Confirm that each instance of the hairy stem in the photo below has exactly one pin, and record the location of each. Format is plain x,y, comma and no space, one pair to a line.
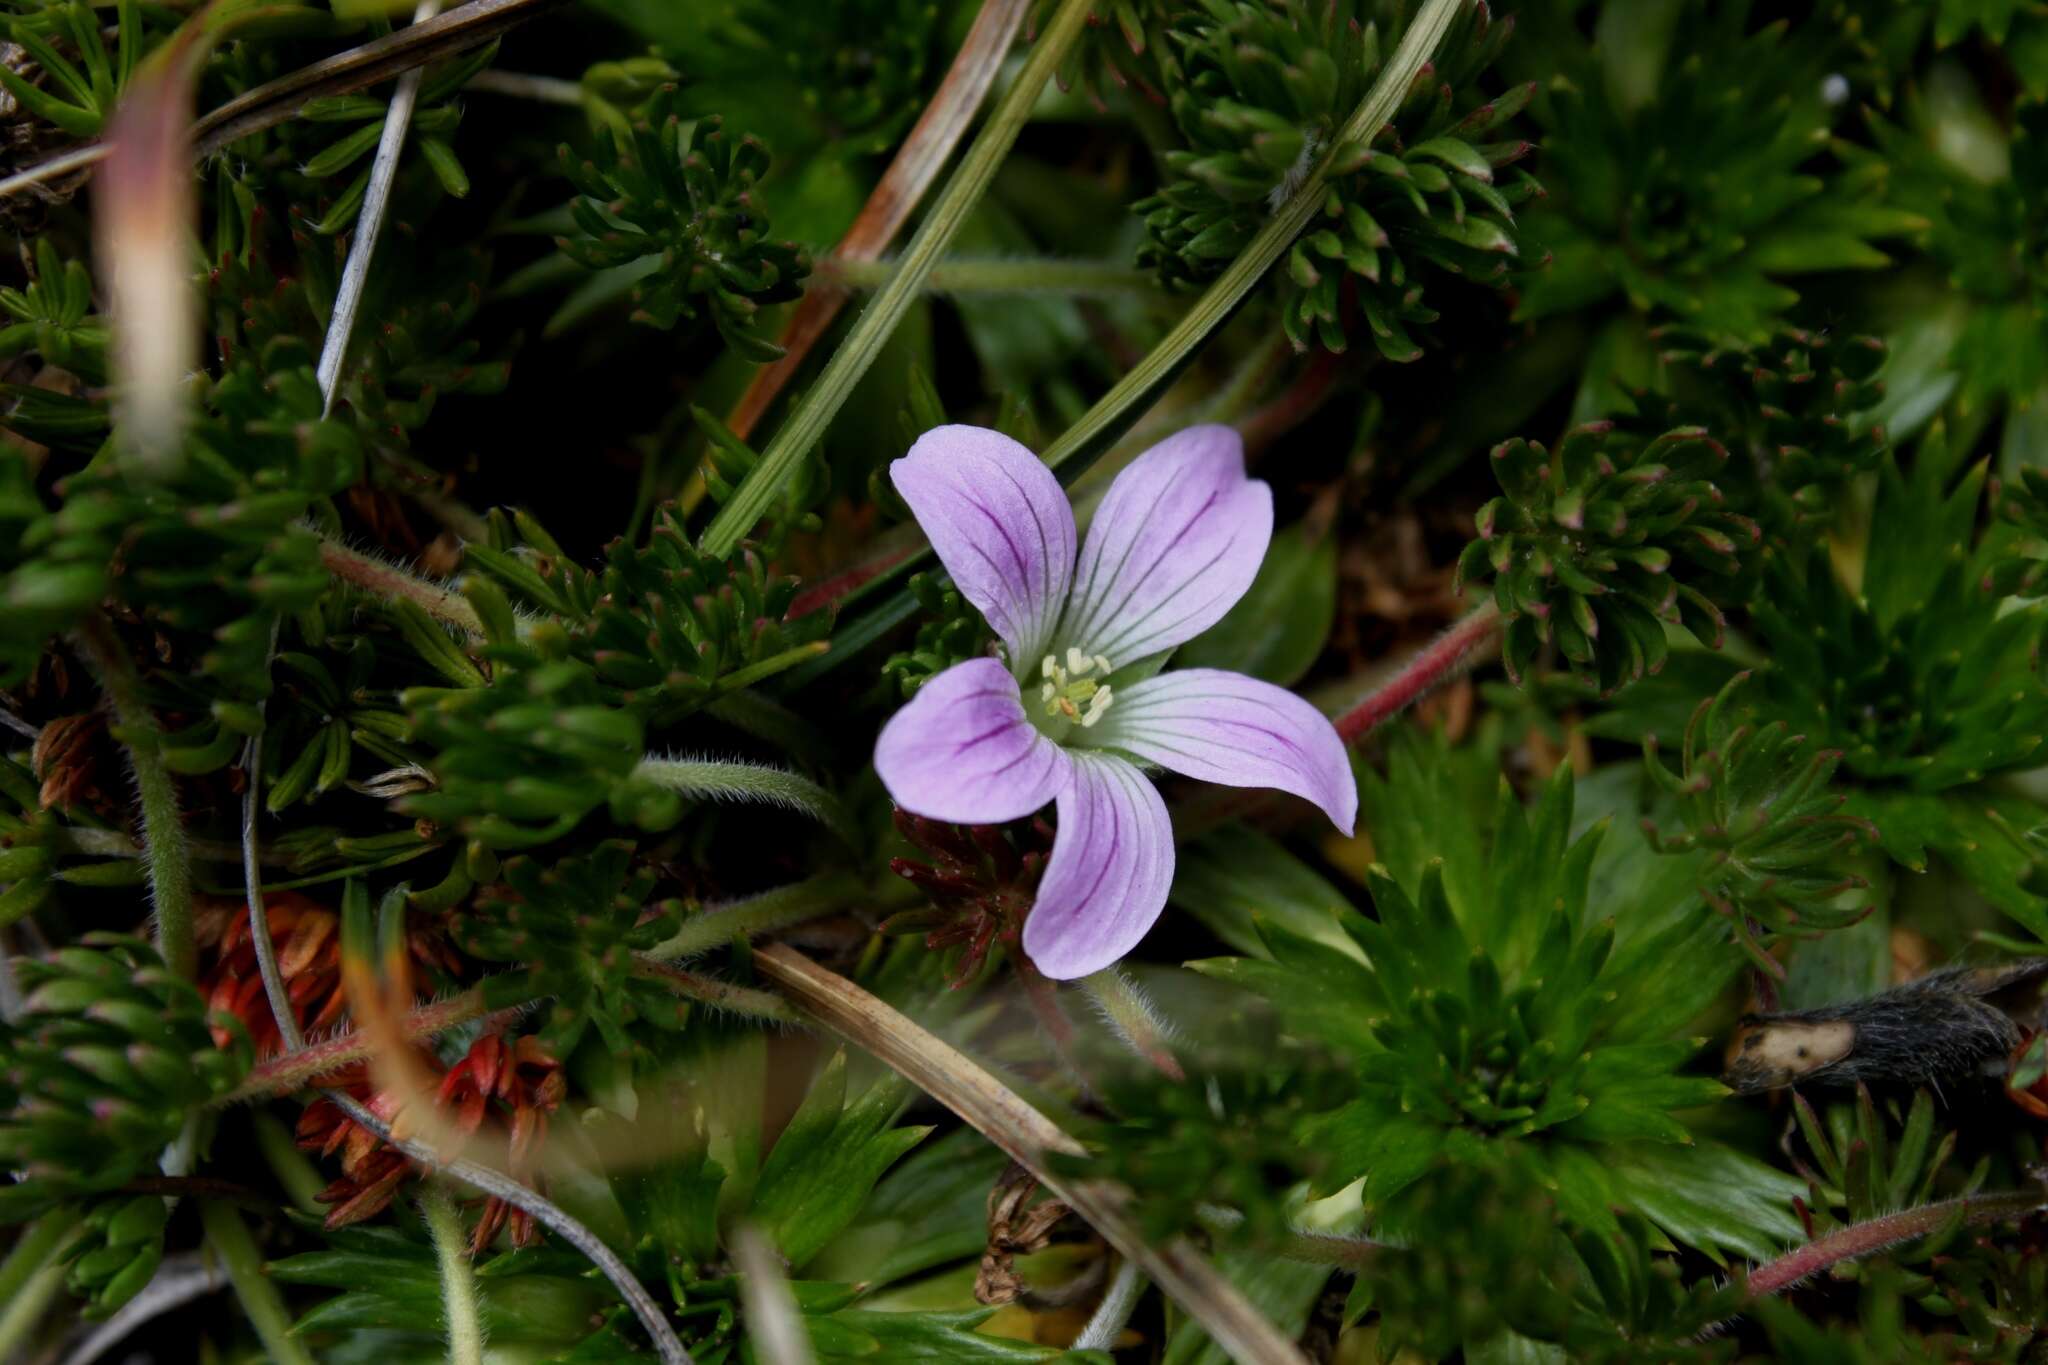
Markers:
543,1211
1111,1315
708,779
166,853
1881,1234
382,578
850,360
720,995
458,1285
1439,661
762,914
295,1071
230,1239
1009,275
1007,1120
1133,1017
911,172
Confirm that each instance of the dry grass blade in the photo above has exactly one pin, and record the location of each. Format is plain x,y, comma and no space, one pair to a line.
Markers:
280,101
355,275
1028,1137
916,165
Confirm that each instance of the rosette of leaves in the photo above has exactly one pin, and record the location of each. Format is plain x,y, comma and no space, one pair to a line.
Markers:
665,628
1260,89
833,1195
676,201
1757,803
1926,678
109,1057
1689,155
1596,546
1491,1021
1797,405
1986,226
573,926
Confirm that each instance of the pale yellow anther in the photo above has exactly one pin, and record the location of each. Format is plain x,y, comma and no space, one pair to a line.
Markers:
1068,686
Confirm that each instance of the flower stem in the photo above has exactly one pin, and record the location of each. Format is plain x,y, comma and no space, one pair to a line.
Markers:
31,1252
166,853
230,1238
382,578
806,424
762,914
911,171
458,1285
1010,275
1442,659
1881,1234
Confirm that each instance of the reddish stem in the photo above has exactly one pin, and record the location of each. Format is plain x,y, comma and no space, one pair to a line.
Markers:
1879,1234
848,581
1442,659
916,165
296,1070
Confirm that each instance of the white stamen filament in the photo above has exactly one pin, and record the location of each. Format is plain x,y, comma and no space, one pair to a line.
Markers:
1069,686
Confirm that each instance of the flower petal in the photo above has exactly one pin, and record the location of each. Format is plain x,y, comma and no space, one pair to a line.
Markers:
1176,542
964,750
1001,525
1111,865
1224,727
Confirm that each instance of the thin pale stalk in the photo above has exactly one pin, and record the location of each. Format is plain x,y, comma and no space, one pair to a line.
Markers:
525,86
293,1072
502,1186
32,1251
925,150
20,1314
281,1011
805,426
1012,1124
385,579
1114,1312
1881,1234
458,1284
355,273
167,855
1438,662
230,1239
1005,275
763,914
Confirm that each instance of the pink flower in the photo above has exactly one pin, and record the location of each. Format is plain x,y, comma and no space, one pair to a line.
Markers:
1080,709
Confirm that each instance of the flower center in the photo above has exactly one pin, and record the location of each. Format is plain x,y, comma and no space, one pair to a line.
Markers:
1075,690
